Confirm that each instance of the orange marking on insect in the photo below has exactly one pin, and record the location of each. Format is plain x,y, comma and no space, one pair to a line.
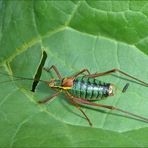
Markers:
68,82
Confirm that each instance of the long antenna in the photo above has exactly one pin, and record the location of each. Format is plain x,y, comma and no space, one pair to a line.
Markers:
20,78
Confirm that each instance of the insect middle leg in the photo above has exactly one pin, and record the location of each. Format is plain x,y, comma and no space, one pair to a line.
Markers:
55,69
117,70
82,71
78,107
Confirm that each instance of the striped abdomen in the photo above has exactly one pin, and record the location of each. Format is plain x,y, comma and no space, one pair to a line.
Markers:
90,88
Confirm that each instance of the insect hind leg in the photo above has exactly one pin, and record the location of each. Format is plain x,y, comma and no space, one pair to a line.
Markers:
83,101
119,71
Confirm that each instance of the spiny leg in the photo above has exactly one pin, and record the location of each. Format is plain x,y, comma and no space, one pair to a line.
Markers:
49,98
80,100
55,69
82,71
117,70
78,107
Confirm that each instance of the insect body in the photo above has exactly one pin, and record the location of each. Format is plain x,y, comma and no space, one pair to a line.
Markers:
84,89
90,88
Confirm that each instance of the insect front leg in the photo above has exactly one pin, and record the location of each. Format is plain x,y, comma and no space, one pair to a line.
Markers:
55,69
49,98
117,70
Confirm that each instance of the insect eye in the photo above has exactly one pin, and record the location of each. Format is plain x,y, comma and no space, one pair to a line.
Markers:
51,83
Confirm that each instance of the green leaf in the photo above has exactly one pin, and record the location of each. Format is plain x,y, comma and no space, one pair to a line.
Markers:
98,35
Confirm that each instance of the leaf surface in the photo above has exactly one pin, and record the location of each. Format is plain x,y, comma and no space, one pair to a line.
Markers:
97,35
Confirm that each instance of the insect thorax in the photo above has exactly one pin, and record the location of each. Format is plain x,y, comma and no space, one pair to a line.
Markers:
58,84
